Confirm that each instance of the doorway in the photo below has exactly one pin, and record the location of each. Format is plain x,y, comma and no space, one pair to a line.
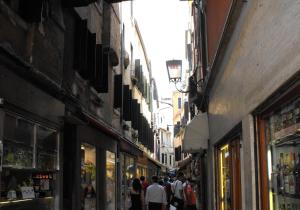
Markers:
228,175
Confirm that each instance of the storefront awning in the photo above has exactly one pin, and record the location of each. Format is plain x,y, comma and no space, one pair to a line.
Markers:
196,134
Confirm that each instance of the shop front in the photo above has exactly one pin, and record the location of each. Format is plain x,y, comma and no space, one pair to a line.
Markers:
228,175
195,142
279,150
90,175
128,171
30,145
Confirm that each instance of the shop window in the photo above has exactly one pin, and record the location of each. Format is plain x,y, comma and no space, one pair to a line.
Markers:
88,177
46,147
282,139
110,181
30,165
18,142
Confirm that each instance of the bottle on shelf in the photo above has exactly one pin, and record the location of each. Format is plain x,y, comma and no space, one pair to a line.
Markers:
280,177
292,181
296,172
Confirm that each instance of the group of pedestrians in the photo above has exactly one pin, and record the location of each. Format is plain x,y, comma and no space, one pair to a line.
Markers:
163,194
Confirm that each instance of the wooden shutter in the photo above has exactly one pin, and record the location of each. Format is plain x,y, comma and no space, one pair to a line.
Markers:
137,68
140,126
134,113
186,111
118,91
91,57
101,71
31,10
127,97
81,47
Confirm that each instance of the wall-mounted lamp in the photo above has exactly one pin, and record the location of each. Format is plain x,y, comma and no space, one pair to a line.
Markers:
174,68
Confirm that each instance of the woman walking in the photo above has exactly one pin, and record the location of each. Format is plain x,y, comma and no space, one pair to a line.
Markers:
136,195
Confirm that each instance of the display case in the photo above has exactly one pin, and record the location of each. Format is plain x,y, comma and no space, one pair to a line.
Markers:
29,176
283,137
110,181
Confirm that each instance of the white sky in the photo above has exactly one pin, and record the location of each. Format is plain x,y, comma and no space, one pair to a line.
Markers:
162,24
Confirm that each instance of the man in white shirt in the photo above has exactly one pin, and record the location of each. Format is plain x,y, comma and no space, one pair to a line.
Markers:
177,189
156,198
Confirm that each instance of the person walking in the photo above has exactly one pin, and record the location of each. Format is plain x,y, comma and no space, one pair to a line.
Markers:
168,190
144,184
177,189
136,195
156,196
189,195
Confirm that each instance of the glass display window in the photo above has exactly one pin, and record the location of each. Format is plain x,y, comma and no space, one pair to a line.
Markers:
25,181
88,177
46,148
18,142
128,171
283,156
110,180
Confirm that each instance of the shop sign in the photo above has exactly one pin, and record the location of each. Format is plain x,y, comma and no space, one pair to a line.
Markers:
27,192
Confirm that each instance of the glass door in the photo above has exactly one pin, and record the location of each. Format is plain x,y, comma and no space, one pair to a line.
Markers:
228,176
88,177
224,181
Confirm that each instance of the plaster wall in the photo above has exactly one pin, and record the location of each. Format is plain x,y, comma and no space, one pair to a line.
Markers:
262,54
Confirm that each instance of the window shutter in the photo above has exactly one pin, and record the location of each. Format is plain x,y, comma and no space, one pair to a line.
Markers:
127,97
186,111
101,71
91,57
137,68
151,140
130,105
31,11
140,126
81,47
118,91
134,114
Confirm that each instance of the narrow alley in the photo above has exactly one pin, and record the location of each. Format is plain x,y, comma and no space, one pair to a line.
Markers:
149,105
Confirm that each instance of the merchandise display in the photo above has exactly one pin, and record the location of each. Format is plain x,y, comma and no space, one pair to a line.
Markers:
283,135
28,177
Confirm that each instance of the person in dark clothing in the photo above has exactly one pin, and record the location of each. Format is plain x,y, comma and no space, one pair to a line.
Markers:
144,184
136,195
168,190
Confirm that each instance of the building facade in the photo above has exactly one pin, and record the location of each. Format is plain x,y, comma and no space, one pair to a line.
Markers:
70,133
248,86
